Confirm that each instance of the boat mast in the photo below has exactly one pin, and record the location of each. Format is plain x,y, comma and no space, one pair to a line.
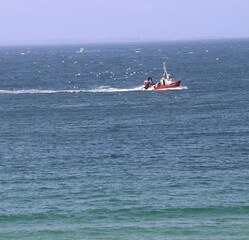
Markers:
165,73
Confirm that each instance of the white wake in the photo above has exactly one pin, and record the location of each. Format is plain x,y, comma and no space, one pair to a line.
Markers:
102,89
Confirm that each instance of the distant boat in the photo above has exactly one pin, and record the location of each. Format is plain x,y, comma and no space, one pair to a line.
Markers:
165,82
82,50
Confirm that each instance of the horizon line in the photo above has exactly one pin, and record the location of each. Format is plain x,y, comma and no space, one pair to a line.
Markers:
110,41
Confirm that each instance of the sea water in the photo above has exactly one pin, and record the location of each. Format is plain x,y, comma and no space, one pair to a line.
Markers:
86,154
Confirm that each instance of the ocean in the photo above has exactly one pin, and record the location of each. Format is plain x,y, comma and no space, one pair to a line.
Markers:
86,154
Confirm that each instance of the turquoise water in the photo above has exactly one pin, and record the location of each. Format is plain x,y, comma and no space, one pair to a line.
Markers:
84,154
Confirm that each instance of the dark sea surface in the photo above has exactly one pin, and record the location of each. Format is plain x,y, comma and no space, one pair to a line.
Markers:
85,154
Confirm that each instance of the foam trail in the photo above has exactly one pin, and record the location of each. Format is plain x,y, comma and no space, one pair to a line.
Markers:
50,91
28,91
102,89
110,89
178,88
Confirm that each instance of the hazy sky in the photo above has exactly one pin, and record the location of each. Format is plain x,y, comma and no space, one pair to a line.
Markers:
36,20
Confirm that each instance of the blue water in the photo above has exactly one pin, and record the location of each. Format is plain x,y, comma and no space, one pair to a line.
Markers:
85,154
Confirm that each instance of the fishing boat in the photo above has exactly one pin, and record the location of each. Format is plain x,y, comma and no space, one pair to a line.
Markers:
165,83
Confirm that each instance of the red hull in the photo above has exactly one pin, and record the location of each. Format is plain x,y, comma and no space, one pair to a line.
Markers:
172,85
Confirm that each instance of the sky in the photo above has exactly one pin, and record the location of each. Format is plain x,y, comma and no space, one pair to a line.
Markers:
105,20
